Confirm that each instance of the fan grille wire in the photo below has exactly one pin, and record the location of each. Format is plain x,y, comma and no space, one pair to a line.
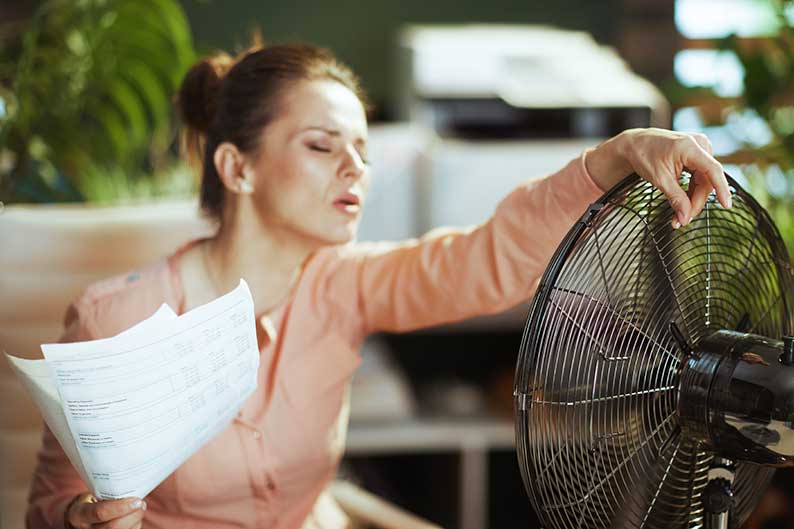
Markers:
598,439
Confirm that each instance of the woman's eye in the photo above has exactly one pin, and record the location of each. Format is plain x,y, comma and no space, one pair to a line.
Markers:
319,148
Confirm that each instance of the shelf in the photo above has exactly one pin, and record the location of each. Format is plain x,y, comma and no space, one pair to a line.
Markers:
429,435
471,438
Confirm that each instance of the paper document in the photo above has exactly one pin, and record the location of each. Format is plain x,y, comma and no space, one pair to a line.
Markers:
128,410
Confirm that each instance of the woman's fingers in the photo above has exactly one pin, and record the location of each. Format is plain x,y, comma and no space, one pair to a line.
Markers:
704,142
132,520
104,512
693,152
698,192
698,160
677,197
700,187
699,184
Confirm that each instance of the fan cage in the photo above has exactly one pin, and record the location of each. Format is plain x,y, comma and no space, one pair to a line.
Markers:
596,388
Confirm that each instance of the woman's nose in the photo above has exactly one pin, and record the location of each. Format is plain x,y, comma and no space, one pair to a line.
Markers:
354,165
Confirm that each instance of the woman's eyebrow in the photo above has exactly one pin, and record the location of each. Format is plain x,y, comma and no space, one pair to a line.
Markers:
332,132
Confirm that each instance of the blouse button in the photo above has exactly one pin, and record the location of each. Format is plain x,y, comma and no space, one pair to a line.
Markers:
257,434
268,328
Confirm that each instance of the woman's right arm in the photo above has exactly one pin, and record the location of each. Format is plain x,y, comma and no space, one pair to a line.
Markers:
458,273
58,498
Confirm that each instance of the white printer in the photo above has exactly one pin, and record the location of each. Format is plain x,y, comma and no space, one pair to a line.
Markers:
510,81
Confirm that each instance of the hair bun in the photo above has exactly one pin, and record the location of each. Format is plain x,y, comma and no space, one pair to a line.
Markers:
198,95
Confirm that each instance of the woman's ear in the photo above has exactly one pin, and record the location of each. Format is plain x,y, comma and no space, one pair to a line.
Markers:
230,164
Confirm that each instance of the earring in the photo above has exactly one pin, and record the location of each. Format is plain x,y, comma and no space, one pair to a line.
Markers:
246,187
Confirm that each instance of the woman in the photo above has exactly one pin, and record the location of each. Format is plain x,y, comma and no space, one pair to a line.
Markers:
281,135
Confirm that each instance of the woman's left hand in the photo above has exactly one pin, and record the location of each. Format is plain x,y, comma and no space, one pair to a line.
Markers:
660,156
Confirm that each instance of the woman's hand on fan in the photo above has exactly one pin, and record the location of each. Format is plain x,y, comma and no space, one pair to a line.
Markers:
660,156
85,512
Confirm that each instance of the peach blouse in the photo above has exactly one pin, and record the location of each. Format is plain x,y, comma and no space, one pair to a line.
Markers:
270,467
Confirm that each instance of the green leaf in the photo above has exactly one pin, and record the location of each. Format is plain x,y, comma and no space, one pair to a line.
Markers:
151,90
124,96
109,131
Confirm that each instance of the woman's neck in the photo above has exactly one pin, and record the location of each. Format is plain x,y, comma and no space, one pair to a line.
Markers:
269,261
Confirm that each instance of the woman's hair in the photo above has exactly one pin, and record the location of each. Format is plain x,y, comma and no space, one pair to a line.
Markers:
233,99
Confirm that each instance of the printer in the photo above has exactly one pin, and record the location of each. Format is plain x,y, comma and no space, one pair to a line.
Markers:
518,81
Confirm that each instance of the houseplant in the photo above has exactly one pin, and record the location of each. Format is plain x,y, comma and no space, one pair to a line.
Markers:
760,120
85,101
769,94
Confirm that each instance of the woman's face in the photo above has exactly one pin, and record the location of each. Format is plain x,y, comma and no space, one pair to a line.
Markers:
310,172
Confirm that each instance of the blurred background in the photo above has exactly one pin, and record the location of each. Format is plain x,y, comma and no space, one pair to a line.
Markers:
470,98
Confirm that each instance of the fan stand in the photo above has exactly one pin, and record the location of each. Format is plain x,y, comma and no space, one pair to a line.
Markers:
717,497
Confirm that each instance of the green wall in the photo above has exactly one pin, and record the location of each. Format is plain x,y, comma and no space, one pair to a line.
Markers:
362,33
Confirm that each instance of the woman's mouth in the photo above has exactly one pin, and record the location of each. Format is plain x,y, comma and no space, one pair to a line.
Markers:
348,203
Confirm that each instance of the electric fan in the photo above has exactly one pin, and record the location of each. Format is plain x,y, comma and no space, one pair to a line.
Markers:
655,382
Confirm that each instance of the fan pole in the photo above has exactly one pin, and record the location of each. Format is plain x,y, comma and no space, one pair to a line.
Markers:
717,497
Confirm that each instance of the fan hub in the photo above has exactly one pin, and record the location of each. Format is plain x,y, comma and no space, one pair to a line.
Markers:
737,397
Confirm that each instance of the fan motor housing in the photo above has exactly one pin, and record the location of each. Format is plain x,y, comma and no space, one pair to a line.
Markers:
737,396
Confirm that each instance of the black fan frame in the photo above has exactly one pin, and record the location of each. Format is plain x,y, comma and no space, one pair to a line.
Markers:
540,302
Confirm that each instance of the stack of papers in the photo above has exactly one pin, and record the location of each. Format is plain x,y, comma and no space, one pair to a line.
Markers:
128,410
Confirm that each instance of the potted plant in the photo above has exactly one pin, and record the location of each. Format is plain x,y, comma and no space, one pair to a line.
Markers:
85,103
